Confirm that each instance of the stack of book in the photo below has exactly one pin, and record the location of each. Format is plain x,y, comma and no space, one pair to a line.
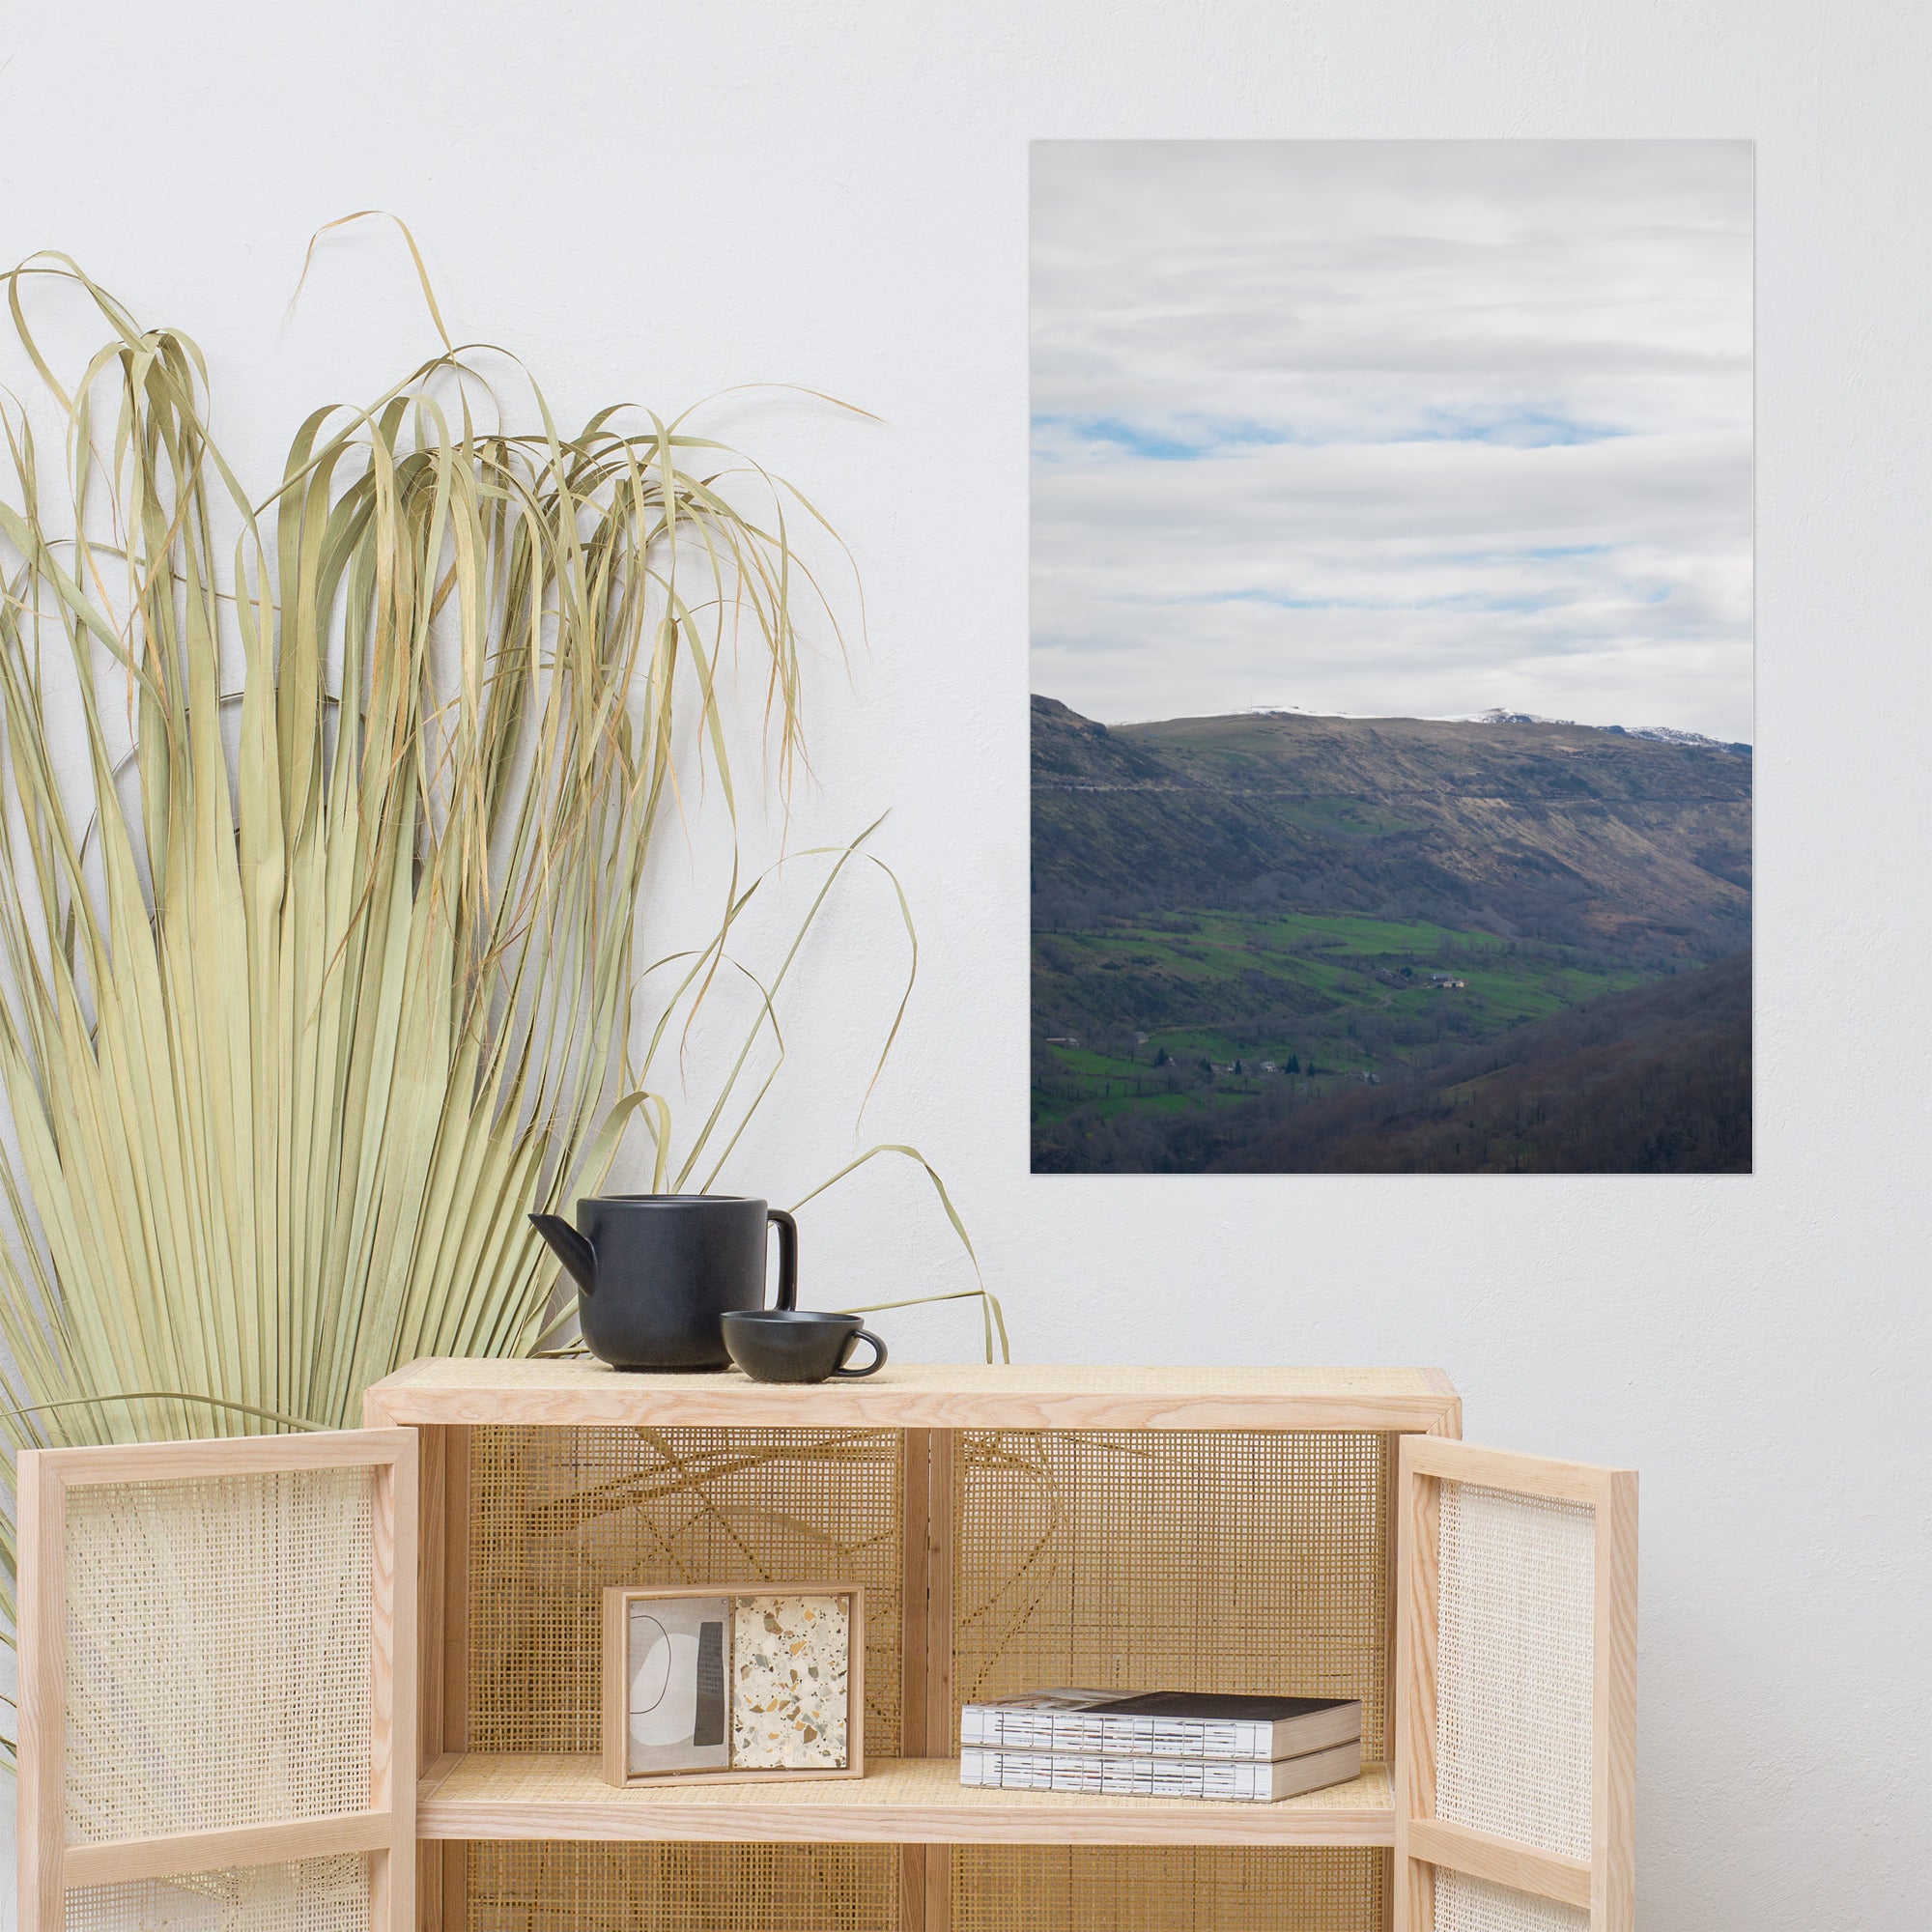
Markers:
1163,1744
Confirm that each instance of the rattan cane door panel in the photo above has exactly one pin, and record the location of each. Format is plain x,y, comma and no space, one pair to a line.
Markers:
1516,1693
1465,1904
1513,1665
1209,1560
310,1895
536,1886
559,1513
217,1697
217,1652
1119,1889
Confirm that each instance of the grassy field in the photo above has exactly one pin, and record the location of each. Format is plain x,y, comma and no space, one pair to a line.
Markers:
1200,1010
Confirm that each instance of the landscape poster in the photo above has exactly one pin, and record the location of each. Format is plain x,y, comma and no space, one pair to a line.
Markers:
1392,656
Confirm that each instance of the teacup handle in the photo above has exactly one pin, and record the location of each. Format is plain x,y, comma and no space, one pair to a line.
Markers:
872,1367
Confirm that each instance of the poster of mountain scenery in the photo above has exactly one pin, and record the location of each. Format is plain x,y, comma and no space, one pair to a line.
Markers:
1392,656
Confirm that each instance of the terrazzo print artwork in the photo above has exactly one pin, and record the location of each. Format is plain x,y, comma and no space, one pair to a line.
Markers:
790,1658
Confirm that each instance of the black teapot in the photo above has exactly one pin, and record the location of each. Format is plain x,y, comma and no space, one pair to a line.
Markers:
655,1273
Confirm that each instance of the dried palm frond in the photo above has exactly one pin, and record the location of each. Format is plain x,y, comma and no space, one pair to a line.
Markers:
319,970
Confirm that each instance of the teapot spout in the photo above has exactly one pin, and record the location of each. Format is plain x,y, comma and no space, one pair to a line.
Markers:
570,1248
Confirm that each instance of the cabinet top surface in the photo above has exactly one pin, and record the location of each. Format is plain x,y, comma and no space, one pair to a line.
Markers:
921,1395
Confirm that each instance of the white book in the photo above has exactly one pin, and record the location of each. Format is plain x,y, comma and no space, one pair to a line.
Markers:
1230,1781
1162,1723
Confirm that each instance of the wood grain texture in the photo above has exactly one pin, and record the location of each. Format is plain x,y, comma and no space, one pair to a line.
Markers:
41,1641
232,1455
938,1888
179,1852
855,1681
442,1867
1505,1470
911,1889
898,1801
392,1624
1412,1905
1501,1861
456,1513
916,1477
395,1649
613,1715
941,1516
442,1873
925,1716
443,1628
1613,1763
453,1875
393,1709
1417,1513
443,1646
919,1396
432,1582
1392,1579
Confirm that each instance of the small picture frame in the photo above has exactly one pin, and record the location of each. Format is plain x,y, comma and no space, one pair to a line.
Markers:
752,1684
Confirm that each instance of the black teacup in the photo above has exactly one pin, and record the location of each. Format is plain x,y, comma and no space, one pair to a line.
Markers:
791,1344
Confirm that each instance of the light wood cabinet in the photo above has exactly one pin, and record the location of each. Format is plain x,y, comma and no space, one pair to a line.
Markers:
1316,1530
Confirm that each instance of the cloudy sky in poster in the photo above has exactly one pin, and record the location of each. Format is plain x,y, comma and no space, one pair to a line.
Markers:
1394,429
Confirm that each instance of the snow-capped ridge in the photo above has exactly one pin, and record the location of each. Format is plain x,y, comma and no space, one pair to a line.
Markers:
1498,713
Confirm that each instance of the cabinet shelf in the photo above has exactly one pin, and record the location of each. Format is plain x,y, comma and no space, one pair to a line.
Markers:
583,1393
898,1801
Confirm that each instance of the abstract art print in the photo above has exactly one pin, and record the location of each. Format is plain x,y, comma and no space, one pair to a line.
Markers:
677,1697
1392,656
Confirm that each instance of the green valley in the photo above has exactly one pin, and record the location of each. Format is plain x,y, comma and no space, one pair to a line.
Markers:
1245,928
1185,1011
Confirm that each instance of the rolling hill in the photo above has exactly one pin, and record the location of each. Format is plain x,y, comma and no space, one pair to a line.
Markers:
1587,837
1290,943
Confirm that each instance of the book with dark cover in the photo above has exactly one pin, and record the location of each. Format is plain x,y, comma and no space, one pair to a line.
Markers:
1162,1723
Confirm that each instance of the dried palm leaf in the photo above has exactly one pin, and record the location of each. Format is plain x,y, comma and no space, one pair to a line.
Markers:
320,973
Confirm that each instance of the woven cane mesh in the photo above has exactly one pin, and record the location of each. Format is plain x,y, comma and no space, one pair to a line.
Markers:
558,1514
1245,1561
538,1887
1465,1904
1513,1668
1118,1889
313,1895
217,1652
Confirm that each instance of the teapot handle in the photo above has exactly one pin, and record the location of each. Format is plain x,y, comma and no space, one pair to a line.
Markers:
787,1257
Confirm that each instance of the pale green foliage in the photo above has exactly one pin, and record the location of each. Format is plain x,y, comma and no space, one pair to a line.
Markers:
299,1023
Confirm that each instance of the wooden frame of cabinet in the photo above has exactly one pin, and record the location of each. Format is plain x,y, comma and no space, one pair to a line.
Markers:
915,1801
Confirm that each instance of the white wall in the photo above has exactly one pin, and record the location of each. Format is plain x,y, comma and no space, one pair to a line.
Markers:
657,202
